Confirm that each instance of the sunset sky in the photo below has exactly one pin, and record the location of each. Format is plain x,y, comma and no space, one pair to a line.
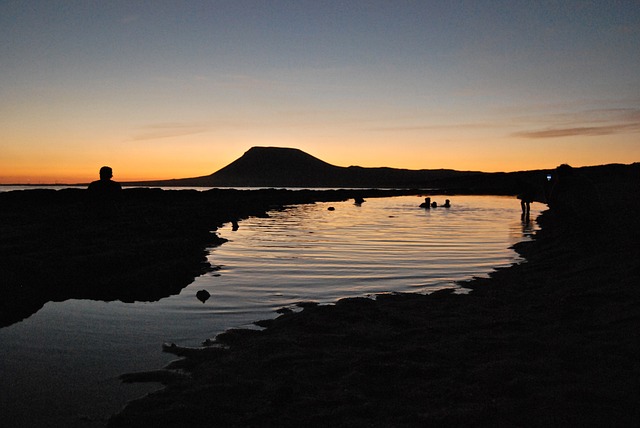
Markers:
170,89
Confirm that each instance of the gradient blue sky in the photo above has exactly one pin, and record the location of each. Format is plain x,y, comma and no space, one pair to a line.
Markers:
168,89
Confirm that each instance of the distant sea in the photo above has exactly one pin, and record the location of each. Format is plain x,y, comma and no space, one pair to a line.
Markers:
60,367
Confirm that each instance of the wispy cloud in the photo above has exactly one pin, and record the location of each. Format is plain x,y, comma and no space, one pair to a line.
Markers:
453,126
590,123
580,130
168,130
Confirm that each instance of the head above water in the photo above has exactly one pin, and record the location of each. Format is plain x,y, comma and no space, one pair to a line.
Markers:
106,173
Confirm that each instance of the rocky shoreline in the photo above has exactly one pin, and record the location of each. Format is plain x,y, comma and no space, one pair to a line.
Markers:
552,341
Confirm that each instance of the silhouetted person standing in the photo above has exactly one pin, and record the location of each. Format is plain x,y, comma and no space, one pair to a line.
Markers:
527,195
105,194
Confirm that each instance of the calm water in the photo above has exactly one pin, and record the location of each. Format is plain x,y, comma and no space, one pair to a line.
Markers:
60,366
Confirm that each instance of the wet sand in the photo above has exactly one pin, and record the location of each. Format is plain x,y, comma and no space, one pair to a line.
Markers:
552,341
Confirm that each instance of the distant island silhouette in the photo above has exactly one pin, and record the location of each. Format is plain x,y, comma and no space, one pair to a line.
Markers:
290,167
280,167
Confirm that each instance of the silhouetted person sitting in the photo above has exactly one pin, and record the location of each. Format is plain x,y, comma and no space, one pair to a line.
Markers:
434,204
104,194
105,186
426,204
447,203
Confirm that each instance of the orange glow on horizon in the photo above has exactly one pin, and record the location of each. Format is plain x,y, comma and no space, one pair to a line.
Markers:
158,101
78,159
163,166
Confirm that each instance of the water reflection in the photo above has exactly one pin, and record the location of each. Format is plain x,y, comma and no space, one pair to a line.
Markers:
59,357
308,253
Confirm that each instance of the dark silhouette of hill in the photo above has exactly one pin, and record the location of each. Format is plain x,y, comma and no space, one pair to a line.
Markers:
288,167
276,166
292,168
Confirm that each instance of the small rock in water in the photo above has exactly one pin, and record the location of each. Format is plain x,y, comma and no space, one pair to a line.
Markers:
331,209
203,295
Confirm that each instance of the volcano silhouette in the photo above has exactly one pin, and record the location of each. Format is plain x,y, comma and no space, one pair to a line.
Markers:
289,167
279,167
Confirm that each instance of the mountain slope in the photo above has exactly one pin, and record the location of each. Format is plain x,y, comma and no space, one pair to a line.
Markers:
287,167
276,166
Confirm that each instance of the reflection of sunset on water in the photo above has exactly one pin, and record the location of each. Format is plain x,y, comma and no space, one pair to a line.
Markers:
300,254
388,244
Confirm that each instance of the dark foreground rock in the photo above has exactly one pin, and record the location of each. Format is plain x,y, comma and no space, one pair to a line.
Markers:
550,342
59,245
